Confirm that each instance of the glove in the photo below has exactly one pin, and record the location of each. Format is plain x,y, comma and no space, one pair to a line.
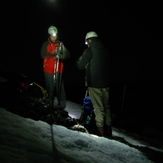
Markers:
58,55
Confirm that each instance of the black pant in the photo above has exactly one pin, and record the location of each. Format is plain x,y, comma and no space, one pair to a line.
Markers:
55,86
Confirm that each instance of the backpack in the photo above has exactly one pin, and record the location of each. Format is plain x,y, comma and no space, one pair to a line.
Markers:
87,118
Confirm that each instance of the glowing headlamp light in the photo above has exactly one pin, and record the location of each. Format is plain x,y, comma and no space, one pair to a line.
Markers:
54,34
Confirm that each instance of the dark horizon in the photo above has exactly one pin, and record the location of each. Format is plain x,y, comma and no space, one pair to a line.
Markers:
132,31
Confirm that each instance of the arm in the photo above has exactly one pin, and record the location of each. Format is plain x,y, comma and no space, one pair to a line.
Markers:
64,53
84,60
44,52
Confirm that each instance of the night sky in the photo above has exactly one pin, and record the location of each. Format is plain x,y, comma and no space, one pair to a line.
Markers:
132,31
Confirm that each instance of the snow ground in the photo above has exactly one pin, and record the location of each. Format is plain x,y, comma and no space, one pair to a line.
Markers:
27,140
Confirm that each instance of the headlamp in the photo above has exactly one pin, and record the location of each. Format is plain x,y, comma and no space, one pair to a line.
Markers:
54,34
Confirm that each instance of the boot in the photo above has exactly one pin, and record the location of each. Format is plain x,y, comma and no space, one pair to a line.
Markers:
100,132
108,131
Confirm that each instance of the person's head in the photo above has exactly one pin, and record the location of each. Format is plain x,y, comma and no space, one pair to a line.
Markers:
89,37
52,31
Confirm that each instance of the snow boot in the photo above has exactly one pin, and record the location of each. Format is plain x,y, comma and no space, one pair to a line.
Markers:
108,131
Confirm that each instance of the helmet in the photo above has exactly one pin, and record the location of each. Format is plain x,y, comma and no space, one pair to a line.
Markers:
52,30
90,35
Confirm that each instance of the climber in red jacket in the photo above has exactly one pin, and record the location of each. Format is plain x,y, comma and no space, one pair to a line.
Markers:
53,53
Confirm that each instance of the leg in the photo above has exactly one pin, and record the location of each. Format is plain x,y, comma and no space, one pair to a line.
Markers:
61,96
97,101
49,81
105,97
108,118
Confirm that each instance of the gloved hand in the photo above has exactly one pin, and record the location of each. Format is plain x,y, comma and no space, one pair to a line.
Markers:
58,56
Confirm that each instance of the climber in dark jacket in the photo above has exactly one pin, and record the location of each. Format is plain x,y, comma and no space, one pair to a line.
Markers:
95,59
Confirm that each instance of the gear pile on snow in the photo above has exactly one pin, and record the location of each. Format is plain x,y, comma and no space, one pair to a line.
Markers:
38,109
27,98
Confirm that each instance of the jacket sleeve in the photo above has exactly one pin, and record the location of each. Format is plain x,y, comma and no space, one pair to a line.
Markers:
44,52
84,60
64,52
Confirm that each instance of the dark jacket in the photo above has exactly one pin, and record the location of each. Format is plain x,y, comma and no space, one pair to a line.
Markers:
95,59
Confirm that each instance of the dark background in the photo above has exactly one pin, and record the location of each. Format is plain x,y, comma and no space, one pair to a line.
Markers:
131,30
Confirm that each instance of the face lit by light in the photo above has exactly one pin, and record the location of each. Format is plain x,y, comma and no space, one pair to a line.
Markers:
53,37
87,42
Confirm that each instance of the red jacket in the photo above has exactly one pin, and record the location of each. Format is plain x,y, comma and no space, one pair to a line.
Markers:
50,63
